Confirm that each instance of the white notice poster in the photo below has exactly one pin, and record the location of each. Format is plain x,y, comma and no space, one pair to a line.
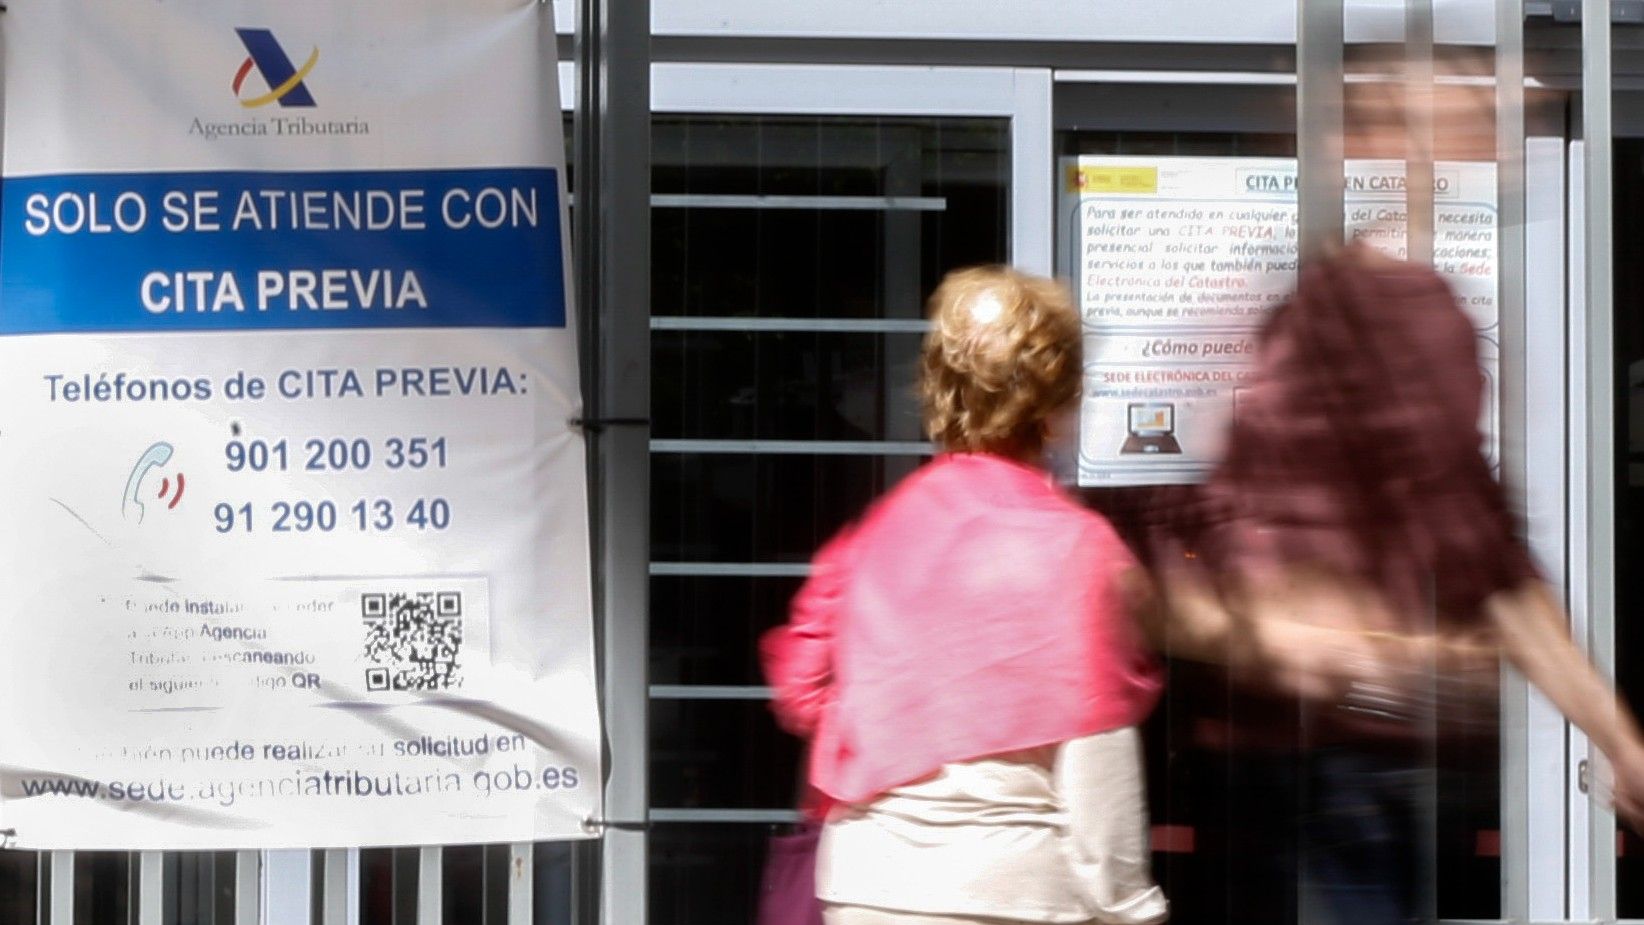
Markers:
296,549
1175,263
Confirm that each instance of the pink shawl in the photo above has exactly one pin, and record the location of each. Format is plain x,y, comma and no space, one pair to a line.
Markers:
974,610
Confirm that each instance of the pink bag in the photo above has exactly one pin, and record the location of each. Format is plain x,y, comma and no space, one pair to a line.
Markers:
787,893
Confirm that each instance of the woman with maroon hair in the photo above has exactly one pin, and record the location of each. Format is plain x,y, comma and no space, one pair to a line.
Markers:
1354,548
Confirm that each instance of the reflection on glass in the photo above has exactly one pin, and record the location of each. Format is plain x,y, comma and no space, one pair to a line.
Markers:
784,385
19,880
790,260
1234,759
705,629
720,754
196,886
1629,490
707,873
745,507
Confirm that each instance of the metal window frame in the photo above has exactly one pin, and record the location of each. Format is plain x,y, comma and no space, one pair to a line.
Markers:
1519,894
1534,845
1022,96
1610,108
1598,395
1534,754
1579,576
613,232
1320,67
1255,22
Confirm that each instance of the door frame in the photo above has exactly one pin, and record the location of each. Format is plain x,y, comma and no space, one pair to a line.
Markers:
1020,95
1538,839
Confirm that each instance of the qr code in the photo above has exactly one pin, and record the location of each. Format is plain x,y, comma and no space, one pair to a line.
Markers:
413,641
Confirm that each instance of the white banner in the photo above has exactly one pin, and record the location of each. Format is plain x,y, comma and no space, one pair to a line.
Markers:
297,544
1175,263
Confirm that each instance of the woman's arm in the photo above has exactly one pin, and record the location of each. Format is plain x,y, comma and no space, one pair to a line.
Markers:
1300,631
798,656
1536,637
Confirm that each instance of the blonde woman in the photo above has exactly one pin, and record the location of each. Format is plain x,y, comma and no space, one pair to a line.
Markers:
963,659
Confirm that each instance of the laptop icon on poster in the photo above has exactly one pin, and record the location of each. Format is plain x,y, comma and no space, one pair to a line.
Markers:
1152,428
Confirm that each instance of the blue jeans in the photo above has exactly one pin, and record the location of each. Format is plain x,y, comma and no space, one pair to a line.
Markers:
1329,835
1365,858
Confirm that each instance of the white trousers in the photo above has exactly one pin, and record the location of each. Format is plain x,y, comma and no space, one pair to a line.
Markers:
867,915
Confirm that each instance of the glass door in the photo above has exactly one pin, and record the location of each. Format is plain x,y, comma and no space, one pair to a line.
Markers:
799,217
1626,493
1629,483
1494,795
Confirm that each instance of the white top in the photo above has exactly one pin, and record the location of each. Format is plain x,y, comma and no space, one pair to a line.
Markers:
1053,834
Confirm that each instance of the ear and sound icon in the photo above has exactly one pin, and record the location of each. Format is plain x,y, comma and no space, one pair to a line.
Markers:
154,457
177,496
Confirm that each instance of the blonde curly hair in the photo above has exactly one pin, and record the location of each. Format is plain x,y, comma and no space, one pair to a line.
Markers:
1002,358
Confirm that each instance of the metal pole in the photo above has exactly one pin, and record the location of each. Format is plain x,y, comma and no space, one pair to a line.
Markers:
1320,214
150,887
287,887
339,889
1511,308
430,885
1418,248
248,886
613,244
521,883
1418,108
61,910
1319,180
1596,133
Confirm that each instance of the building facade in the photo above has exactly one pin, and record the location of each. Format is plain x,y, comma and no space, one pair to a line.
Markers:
764,194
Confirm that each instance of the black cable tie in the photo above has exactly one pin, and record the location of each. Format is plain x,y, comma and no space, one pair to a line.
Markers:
598,424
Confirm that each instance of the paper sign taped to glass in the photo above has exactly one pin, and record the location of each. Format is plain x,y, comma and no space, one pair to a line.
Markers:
1175,264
